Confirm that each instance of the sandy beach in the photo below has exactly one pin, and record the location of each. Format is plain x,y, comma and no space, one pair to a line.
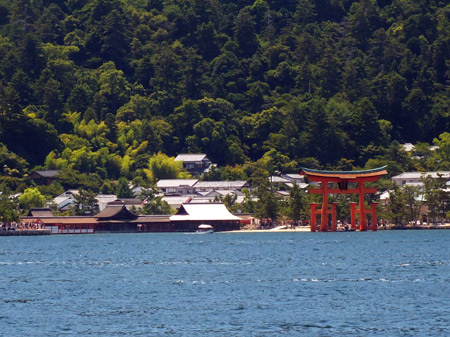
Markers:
272,230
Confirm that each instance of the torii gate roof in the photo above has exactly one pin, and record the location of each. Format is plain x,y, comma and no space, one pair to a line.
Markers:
343,175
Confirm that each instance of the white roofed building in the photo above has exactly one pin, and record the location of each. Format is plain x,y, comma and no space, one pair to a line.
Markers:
209,186
176,186
194,163
175,201
191,215
416,177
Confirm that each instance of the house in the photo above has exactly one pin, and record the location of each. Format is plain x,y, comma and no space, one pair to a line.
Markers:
44,177
295,178
176,186
66,200
194,163
209,186
216,195
416,177
104,199
191,215
131,203
175,201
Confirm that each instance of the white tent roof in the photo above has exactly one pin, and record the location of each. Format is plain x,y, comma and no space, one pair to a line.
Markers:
203,212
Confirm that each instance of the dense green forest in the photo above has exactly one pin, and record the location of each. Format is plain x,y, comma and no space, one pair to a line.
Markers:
97,88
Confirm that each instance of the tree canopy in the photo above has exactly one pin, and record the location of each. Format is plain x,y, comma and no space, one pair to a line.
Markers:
103,89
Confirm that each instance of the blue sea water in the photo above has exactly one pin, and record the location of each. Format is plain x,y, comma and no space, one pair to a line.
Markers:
387,283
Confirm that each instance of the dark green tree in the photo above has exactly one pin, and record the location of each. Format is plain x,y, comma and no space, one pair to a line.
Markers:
85,203
123,189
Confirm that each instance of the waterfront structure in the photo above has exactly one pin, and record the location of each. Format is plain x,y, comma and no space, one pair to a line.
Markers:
191,215
343,182
116,218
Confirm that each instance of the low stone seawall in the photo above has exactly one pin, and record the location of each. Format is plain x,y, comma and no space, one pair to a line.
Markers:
25,232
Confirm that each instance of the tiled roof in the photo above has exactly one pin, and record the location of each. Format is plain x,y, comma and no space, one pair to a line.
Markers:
116,211
40,212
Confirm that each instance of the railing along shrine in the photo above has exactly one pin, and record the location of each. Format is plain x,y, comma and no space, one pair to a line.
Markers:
344,180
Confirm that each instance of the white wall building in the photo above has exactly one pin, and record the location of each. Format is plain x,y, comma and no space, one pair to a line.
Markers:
410,178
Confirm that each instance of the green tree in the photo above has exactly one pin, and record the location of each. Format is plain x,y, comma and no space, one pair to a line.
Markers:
396,205
123,189
31,198
8,208
85,203
161,166
154,203
295,205
268,205
436,197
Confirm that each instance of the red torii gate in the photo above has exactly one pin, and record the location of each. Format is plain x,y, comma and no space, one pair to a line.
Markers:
343,178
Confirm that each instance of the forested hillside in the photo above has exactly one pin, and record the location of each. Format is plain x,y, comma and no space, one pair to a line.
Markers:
96,88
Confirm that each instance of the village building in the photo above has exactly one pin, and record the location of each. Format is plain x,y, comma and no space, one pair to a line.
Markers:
295,178
104,199
210,186
177,186
65,201
214,196
194,163
175,201
44,177
417,177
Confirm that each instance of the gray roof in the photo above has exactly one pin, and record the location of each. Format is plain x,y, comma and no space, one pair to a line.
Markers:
48,173
293,176
221,185
277,179
419,175
191,157
165,183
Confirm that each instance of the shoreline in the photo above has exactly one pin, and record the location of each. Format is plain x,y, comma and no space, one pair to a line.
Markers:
308,230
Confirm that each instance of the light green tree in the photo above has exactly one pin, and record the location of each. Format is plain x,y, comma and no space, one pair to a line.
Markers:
161,166
31,198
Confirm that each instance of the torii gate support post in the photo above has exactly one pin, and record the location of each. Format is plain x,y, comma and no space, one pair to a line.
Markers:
374,226
324,211
353,215
333,217
313,216
362,210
